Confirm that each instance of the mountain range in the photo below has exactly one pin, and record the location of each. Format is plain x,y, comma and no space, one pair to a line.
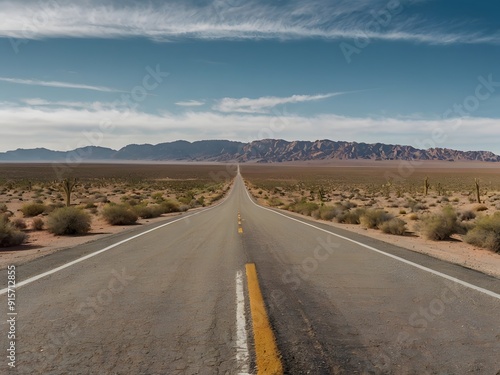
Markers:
262,151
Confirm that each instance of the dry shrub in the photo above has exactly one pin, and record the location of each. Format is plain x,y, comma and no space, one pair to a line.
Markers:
68,221
169,206
374,218
394,226
486,233
9,235
37,224
118,214
441,226
467,215
33,209
351,216
149,212
19,224
303,208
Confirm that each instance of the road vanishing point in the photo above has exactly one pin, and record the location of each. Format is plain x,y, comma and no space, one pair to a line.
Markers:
242,289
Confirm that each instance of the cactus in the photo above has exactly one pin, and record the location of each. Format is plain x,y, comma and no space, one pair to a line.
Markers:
68,186
439,189
426,186
478,193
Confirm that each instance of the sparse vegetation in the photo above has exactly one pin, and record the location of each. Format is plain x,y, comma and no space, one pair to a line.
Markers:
351,216
33,209
37,224
304,208
19,223
9,235
374,218
149,212
68,221
485,233
441,226
394,226
116,214
68,185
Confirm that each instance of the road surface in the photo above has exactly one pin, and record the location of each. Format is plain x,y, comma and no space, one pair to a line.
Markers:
180,299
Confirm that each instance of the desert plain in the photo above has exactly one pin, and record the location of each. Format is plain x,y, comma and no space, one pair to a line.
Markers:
400,202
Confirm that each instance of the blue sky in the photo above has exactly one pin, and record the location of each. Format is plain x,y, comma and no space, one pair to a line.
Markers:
111,73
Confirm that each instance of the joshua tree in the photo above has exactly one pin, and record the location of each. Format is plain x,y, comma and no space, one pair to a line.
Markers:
68,186
426,186
478,194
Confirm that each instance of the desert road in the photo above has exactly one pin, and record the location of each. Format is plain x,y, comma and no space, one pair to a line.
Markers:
241,289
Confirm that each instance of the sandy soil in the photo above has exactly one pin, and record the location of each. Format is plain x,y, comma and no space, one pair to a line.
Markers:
42,243
455,251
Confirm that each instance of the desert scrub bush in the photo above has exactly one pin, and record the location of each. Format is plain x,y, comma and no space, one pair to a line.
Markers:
68,221
9,235
467,215
394,226
349,204
169,206
149,212
37,224
118,214
275,202
303,208
402,212
19,224
374,218
440,226
350,216
486,233
329,213
33,209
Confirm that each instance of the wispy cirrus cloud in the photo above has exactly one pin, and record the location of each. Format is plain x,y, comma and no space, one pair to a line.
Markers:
230,19
58,104
266,103
190,103
57,84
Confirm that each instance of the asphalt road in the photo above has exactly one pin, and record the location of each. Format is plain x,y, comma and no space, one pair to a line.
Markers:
176,301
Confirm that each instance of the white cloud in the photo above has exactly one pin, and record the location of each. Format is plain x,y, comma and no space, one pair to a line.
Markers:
223,19
94,106
265,103
190,103
67,128
64,85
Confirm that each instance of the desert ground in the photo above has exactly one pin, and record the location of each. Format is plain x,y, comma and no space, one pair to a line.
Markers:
140,187
331,191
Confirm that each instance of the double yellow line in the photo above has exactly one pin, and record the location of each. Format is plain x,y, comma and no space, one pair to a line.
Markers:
266,351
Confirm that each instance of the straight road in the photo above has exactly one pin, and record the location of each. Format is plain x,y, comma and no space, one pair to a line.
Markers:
181,299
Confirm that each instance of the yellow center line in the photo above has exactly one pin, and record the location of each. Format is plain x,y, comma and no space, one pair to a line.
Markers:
266,351
240,230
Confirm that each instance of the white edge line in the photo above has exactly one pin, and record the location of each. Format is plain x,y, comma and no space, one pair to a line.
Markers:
57,269
437,273
242,354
